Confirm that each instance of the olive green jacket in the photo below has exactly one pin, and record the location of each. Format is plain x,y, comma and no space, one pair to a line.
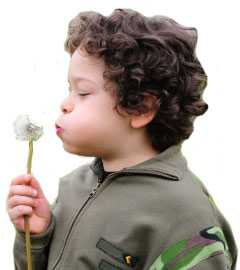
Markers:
155,215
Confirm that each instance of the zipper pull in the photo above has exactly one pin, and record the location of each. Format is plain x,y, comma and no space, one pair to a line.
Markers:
94,190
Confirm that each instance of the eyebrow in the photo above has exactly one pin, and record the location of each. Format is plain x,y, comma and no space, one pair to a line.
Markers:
82,79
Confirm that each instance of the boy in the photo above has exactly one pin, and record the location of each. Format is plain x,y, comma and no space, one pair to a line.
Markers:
135,89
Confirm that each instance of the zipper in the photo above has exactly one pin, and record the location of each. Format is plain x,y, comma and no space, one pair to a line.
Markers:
76,215
162,173
94,190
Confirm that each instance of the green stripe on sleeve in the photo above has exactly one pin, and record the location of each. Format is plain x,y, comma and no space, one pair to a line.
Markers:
185,254
196,255
168,255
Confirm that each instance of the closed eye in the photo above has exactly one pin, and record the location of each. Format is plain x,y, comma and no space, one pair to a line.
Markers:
71,90
83,94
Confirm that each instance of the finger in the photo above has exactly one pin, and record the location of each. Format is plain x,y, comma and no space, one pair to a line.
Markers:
19,211
23,179
21,200
22,190
30,180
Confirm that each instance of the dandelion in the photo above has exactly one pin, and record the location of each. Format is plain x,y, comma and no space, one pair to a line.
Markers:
26,130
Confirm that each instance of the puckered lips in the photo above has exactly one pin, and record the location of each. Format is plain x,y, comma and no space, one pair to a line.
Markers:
58,129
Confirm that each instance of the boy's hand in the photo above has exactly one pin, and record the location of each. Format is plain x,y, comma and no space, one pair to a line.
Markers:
26,198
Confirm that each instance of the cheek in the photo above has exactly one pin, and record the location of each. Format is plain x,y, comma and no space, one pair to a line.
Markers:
96,116
86,119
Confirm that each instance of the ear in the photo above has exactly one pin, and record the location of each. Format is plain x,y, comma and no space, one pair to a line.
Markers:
138,121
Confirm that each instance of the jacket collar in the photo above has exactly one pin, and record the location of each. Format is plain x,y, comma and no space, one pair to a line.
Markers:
170,163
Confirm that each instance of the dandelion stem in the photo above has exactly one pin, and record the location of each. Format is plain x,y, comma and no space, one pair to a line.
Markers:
26,218
30,154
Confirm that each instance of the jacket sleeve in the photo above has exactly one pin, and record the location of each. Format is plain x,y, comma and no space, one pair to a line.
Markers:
206,250
39,248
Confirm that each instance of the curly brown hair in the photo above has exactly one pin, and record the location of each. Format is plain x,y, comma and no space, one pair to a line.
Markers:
146,55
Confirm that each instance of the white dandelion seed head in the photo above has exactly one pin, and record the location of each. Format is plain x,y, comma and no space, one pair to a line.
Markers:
25,129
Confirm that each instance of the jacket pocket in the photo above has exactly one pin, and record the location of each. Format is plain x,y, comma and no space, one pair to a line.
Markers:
116,253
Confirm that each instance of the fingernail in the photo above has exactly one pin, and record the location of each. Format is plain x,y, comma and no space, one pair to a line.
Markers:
34,192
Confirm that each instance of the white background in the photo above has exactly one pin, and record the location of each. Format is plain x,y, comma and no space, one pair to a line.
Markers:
33,79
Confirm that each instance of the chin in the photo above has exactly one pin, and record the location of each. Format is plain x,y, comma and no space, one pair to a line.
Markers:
76,151
69,149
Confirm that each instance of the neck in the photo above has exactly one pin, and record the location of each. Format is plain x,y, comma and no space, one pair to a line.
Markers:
116,163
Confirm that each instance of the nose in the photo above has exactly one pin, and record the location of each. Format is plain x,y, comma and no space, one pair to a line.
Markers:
66,106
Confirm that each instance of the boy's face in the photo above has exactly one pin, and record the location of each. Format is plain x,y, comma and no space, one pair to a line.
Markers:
90,125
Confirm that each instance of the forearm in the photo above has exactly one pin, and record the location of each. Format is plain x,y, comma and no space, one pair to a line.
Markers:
39,248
